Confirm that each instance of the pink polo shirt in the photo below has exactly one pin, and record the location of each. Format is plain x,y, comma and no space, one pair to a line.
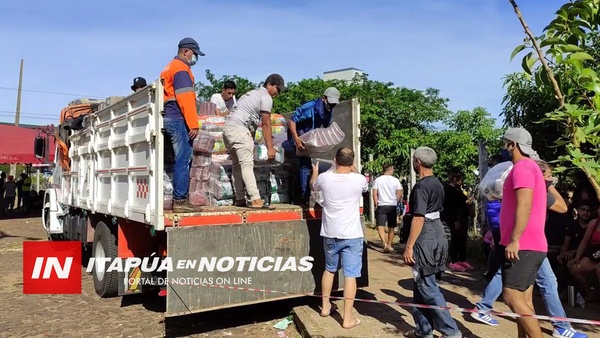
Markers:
525,174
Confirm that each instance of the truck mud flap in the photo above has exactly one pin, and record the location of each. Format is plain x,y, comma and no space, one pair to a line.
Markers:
208,273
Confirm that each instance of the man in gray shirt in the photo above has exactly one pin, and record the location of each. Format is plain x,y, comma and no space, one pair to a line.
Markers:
238,136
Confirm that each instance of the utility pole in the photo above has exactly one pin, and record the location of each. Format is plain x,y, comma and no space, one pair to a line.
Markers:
13,167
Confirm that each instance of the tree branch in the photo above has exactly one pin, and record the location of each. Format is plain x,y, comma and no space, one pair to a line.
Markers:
541,57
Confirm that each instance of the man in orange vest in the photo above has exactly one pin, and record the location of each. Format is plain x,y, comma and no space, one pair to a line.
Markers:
180,117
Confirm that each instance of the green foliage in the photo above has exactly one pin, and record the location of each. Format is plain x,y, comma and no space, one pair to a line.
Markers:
569,70
393,120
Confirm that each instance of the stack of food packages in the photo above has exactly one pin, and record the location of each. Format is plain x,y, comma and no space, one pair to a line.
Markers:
211,181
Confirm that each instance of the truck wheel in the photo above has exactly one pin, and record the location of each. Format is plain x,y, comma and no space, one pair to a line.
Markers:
105,246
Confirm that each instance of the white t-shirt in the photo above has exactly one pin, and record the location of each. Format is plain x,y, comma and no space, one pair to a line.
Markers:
386,186
341,204
221,104
248,107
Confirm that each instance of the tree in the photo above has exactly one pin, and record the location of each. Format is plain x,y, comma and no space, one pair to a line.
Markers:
214,85
577,91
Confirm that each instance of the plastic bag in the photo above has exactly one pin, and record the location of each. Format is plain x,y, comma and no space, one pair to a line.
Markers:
201,159
201,173
204,142
220,190
167,184
167,202
261,153
219,172
198,185
198,198
492,184
321,140
316,195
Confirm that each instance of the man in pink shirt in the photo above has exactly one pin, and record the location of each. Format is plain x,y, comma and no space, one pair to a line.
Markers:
522,239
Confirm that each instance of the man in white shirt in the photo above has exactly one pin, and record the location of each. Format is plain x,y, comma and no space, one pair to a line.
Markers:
225,101
341,229
387,192
239,130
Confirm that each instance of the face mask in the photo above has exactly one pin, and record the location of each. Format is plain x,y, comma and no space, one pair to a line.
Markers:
548,184
193,60
505,154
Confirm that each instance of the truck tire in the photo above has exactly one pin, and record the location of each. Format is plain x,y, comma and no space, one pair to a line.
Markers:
105,246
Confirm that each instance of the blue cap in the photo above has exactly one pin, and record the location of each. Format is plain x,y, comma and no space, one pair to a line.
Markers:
191,44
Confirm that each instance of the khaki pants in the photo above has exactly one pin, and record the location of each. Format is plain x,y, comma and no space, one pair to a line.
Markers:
240,144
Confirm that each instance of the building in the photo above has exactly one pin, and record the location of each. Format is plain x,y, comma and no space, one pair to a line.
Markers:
346,74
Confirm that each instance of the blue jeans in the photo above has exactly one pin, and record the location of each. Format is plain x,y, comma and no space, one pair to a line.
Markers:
349,250
177,131
545,280
305,172
427,292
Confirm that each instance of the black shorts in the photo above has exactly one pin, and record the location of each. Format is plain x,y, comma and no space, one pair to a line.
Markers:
520,274
387,213
593,253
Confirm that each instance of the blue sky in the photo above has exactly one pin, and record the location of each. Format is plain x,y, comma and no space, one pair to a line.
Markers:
461,47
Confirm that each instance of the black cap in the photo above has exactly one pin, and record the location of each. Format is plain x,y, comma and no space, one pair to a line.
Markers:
191,44
138,82
277,80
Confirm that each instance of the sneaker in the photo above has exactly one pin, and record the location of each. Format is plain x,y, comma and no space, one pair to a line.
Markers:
184,206
484,318
466,265
457,267
414,334
568,333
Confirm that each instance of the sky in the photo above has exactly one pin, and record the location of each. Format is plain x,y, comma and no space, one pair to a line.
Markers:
74,49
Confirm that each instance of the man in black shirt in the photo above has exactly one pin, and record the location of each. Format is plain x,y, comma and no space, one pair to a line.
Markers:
427,248
575,231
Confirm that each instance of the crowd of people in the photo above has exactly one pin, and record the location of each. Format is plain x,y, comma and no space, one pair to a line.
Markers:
17,195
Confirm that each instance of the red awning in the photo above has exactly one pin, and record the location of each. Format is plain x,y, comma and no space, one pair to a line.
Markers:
16,145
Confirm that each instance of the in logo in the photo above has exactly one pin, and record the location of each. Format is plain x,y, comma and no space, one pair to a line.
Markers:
52,267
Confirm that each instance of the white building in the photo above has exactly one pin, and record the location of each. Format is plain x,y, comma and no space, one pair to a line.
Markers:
346,74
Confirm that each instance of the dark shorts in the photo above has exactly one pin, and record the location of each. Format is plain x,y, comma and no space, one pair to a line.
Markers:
387,213
593,253
521,274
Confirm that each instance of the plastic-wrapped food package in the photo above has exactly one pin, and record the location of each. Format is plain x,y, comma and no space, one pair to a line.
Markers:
219,147
321,140
167,202
261,153
220,190
201,159
197,185
206,108
492,184
278,120
167,183
204,142
279,132
201,173
221,157
210,119
198,198
221,171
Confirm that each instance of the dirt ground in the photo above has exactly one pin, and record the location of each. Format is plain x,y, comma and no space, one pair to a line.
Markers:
87,315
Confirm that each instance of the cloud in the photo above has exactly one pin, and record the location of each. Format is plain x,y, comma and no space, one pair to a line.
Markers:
461,47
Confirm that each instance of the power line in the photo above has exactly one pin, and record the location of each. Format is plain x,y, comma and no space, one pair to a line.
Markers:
26,113
52,93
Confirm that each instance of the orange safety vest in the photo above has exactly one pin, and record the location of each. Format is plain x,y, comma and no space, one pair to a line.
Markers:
179,93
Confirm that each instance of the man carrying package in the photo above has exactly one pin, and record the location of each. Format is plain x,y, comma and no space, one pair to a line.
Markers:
238,135
311,115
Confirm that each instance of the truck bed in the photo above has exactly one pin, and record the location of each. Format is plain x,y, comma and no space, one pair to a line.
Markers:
219,215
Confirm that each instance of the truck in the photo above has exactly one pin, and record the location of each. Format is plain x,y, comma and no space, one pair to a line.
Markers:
110,199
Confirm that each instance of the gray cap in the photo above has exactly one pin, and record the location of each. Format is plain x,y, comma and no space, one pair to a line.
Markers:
333,95
191,44
521,137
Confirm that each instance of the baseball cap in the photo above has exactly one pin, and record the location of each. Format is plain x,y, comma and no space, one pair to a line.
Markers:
521,137
333,95
138,82
277,80
191,44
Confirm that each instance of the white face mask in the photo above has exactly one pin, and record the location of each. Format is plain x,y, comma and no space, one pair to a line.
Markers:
193,60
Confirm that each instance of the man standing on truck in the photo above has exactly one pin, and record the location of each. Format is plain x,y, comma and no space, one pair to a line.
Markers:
181,119
238,136
138,83
313,114
225,100
341,229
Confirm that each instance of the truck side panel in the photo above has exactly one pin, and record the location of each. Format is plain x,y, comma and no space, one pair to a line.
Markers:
117,163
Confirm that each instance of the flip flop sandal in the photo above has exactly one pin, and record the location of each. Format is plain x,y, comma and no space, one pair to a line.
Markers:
333,308
356,323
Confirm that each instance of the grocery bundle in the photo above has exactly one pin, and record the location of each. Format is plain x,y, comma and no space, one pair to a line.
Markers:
321,140
493,182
